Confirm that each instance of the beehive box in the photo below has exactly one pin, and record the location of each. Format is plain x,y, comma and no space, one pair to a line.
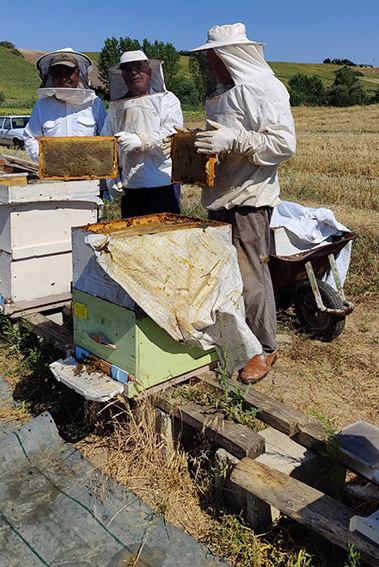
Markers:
78,157
188,166
139,347
35,236
102,307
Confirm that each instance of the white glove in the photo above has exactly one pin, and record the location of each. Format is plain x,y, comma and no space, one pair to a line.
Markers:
216,141
128,142
115,187
166,146
167,142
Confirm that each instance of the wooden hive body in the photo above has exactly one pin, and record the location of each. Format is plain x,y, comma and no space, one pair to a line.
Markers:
35,236
145,351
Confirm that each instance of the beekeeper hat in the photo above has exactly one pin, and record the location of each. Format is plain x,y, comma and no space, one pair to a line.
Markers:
117,87
130,56
84,63
228,34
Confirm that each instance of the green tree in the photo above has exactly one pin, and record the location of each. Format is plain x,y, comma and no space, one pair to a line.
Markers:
306,90
345,76
338,95
204,79
346,91
186,90
9,46
109,55
167,53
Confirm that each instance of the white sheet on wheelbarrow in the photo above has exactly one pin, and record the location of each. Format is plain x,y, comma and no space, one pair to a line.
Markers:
313,226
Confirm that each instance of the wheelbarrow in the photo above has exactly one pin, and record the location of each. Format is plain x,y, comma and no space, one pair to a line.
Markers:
320,309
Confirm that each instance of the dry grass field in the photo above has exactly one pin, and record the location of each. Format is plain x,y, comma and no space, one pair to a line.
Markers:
336,166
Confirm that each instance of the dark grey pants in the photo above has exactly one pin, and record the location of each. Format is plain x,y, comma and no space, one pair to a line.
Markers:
251,237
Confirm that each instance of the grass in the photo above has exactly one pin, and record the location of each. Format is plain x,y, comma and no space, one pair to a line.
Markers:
18,79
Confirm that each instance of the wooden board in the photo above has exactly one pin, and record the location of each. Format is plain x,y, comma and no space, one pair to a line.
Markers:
49,331
22,162
14,179
237,439
304,504
274,413
55,301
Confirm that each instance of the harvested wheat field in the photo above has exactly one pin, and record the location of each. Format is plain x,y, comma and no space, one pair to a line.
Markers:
337,167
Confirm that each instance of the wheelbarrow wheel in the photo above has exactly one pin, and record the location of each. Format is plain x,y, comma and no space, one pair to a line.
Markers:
325,326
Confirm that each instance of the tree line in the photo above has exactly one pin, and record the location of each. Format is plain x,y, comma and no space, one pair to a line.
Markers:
344,91
304,90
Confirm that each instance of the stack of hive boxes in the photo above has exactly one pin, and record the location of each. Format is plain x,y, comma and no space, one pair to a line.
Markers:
111,326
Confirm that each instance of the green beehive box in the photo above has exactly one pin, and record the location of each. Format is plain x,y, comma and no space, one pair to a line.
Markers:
145,351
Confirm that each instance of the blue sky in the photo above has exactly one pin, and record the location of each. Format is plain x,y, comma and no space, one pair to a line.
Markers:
300,31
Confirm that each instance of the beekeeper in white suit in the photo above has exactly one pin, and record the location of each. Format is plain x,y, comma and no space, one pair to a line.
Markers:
67,106
141,114
250,128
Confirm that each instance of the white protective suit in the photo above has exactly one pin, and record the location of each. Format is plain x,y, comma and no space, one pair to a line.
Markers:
63,111
257,109
152,117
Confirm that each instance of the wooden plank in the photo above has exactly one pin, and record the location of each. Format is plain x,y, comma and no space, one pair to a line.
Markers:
237,439
19,161
304,504
13,168
312,436
15,310
49,331
274,413
14,179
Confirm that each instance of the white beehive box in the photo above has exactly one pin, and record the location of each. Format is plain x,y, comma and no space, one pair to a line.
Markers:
35,236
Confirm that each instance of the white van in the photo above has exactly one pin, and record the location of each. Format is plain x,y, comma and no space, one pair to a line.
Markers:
12,130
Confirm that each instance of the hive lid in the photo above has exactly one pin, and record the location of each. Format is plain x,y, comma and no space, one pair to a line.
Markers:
150,224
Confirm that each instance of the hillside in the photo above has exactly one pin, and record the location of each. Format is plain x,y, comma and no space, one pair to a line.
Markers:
19,78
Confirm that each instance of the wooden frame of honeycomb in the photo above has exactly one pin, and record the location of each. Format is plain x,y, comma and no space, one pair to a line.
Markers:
78,157
188,166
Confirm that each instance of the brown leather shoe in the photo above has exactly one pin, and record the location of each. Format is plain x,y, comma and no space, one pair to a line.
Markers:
257,368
